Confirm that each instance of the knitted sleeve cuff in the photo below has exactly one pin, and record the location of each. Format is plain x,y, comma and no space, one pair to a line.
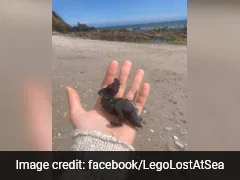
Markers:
84,140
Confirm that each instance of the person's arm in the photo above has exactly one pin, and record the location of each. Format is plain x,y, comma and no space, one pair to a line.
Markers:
84,140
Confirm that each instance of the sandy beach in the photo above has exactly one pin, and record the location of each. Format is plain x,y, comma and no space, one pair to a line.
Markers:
81,64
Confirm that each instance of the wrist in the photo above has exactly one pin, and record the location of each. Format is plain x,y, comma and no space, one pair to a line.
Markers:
85,140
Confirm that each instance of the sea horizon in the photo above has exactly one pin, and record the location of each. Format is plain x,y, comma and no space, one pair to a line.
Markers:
136,25
174,24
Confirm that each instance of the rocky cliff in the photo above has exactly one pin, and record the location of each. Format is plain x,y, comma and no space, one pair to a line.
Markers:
59,25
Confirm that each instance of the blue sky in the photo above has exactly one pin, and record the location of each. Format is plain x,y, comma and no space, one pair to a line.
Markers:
119,12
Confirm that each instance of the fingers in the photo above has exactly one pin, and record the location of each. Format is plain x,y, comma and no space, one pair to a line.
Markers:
110,74
123,76
109,78
74,103
142,96
135,84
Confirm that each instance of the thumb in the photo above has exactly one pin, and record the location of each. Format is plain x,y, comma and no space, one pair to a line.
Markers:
74,103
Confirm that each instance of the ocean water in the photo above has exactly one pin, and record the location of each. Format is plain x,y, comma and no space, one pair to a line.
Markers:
148,26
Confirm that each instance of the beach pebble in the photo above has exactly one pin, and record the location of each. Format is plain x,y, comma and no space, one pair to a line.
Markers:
175,137
145,112
149,139
179,144
64,114
61,85
151,130
89,90
168,128
59,135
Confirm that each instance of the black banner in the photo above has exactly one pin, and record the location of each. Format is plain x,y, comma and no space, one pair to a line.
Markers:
120,165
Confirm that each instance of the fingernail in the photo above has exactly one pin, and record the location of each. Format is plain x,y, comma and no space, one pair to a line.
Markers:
140,70
128,62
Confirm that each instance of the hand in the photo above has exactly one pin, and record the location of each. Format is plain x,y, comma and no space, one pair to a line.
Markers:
97,119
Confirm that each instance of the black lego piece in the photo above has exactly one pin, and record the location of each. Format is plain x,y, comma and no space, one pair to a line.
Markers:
123,108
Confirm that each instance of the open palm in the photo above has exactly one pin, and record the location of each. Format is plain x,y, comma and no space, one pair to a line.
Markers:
97,119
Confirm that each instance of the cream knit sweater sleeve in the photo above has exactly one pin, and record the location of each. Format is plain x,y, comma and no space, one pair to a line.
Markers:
84,140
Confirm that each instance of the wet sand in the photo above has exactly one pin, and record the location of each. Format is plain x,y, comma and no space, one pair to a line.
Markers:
82,63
